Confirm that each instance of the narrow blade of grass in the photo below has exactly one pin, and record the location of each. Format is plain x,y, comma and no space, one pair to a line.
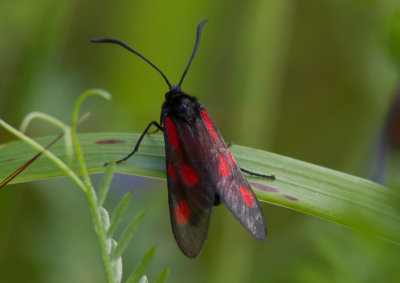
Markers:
163,275
127,235
344,199
106,182
119,212
141,266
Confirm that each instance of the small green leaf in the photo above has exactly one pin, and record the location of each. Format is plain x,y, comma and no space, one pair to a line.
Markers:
141,266
105,224
105,218
127,235
116,264
163,276
106,182
119,212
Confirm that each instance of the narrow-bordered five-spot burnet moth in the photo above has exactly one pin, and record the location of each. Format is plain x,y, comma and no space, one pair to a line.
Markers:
201,170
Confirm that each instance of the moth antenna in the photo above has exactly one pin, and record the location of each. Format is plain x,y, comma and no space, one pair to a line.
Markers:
126,46
199,28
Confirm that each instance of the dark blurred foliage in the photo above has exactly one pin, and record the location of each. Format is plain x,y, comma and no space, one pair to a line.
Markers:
308,79
388,148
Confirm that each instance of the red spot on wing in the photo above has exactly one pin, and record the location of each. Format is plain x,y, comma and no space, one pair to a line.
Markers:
171,172
182,212
231,158
190,176
171,132
209,124
223,166
247,196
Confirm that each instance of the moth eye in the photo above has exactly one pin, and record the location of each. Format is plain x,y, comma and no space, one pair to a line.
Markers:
182,212
209,124
247,196
223,166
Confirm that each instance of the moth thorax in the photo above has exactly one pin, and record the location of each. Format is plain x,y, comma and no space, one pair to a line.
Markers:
184,108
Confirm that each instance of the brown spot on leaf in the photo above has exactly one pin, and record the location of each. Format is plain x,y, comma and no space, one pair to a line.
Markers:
264,188
109,142
290,198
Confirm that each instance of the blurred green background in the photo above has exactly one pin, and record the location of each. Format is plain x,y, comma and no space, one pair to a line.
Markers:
308,79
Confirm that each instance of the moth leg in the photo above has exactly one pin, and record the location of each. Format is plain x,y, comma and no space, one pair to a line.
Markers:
159,128
139,141
271,176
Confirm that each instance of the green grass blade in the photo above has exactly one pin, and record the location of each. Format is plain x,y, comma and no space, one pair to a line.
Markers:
119,212
141,266
163,276
105,183
348,200
127,235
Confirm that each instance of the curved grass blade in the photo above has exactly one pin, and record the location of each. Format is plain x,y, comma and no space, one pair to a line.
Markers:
348,200
105,183
141,266
127,235
163,276
119,212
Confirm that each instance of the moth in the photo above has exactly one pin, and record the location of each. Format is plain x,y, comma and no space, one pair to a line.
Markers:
201,171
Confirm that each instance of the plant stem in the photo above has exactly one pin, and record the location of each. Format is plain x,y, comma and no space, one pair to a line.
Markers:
74,122
91,196
90,192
